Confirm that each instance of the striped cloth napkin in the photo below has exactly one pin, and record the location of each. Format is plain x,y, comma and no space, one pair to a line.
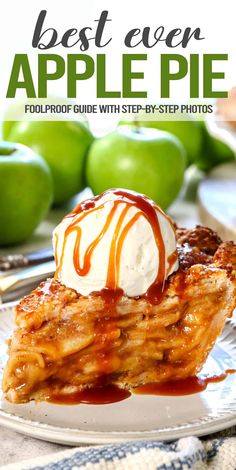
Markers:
186,453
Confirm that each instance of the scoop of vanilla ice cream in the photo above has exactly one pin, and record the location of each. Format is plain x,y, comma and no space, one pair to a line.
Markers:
139,259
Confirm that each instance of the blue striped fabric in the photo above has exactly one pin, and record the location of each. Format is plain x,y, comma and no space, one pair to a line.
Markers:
186,453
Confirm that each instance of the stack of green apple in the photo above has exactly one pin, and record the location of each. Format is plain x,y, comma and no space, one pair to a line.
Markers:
202,149
48,162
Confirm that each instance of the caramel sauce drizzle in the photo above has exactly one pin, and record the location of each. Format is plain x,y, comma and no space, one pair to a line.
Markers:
145,209
113,263
108,393
83,270
188,386
106,326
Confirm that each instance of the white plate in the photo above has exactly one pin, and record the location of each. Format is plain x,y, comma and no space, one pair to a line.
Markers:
216,197
138,417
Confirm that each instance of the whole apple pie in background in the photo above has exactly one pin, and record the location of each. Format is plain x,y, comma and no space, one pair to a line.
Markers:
134,300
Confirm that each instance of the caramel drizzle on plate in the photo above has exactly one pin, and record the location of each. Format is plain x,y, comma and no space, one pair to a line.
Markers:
145,209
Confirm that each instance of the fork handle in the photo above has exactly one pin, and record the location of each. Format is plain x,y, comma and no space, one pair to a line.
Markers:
9,262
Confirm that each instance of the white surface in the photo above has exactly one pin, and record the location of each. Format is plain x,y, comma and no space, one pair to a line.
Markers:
217,200
138,417
140,257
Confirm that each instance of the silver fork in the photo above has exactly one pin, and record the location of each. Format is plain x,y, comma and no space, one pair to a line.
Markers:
24,278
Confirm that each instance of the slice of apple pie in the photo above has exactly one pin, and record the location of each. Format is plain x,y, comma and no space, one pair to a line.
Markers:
127,305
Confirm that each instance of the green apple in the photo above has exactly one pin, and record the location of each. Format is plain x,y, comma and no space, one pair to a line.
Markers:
188,132
26,192
144,160
64,145
214,151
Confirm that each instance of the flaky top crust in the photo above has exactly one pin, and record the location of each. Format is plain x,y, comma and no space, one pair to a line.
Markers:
200,252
